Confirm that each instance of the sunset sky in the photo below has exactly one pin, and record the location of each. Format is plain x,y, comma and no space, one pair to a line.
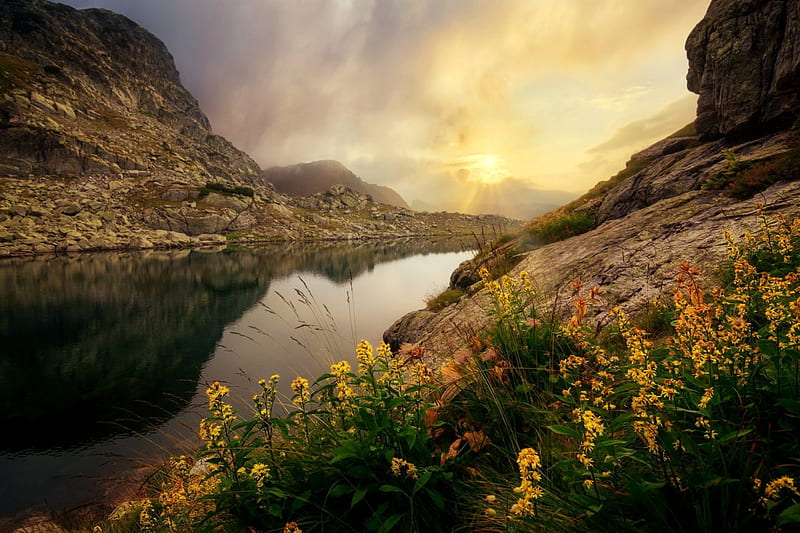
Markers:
448,102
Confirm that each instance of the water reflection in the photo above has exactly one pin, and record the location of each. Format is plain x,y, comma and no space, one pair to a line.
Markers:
105,337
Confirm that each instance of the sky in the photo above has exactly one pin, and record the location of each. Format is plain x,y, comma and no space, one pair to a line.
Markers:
456,104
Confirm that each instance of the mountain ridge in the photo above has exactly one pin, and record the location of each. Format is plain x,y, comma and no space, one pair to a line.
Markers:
102,148
305,179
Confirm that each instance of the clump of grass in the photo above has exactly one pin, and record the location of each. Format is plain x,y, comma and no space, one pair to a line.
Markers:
445,298
221,188
556,229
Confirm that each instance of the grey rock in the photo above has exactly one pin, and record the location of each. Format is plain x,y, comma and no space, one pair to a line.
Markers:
683,171
176,195
633,259
36,211
122,93
744,62
223,201
407,328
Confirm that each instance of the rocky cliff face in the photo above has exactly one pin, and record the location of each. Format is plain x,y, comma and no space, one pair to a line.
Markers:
744,62
305,179
101,147
91,91
660,210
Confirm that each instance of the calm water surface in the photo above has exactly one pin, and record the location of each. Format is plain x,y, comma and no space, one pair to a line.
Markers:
104,358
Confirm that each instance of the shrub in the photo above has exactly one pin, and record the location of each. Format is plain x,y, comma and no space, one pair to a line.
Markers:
743,180
358,452
698,433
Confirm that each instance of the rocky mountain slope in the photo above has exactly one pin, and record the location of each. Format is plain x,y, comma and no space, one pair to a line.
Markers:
91,92
305,179
101,148
675,199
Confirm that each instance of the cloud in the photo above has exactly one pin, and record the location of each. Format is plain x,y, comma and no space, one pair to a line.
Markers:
400,89
640,133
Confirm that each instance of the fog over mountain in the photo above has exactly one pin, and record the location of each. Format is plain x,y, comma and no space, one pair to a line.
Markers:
418,95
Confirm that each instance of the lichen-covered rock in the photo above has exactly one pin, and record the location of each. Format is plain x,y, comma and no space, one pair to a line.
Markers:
744,62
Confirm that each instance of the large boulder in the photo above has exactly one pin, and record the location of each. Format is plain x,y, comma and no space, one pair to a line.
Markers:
744,62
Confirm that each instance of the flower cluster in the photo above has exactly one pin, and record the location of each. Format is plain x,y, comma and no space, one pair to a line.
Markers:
261,473
529,489
511,298
302,395
182,501
342,388
365,357
400,467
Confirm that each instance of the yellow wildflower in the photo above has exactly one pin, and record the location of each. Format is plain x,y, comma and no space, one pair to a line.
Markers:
529,463
261,473
300,390
707,395
401,466
775,487
365,357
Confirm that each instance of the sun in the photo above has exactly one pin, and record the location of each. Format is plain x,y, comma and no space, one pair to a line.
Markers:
487,169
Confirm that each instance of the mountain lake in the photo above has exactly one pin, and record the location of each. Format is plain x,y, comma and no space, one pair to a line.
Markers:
105,358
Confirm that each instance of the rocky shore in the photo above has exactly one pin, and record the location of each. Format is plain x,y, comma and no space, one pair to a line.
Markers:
135,210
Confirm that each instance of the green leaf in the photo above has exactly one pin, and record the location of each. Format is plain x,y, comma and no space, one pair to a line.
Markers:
339,490
793,406
733,435
278,493
358,495
391,522
394,402
390,488
421,481
791,515
438,499
565,430
349,449
611,442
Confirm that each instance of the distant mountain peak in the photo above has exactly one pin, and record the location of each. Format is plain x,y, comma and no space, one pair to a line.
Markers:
305,179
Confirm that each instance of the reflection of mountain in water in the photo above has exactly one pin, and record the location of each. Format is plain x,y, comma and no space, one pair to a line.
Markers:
86,339
92,338
339,262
